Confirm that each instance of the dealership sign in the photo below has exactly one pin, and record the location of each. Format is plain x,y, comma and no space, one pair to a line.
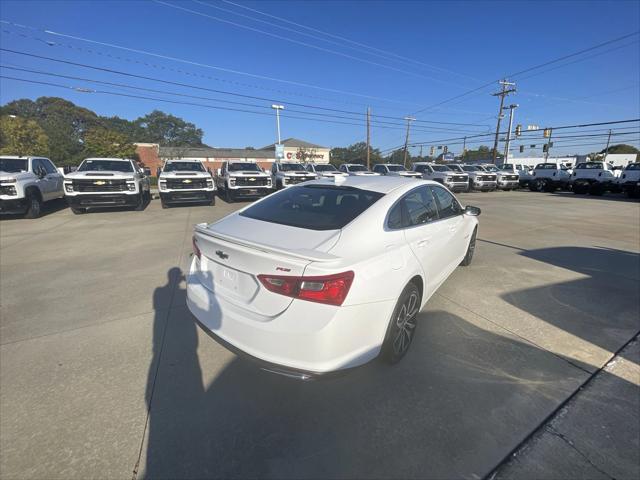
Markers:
279,151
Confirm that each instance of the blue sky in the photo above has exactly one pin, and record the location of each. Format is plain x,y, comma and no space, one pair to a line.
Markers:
448,48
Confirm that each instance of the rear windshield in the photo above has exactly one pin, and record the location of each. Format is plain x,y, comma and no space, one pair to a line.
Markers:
315,207
396,168
13,165
357,168
105,166
238,167
183,167
421,168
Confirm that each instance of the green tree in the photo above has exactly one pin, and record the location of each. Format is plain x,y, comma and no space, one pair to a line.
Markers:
19,136
621,148
482,153
356,153
100,142
167,130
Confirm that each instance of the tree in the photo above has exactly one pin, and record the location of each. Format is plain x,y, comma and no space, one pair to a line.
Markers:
100,142
620,148
19,136
167,130
356,153
482,153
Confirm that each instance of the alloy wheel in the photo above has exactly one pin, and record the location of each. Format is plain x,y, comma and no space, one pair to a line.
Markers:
405,324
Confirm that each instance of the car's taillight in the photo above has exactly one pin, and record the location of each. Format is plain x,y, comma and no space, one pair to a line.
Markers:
196,249
330,289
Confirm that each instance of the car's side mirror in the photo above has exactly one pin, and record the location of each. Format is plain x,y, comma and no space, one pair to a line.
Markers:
473,211
147,171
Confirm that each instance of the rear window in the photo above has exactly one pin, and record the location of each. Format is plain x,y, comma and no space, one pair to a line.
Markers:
315,207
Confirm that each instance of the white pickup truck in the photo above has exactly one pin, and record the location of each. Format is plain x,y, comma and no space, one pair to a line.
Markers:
26,183
107,182
505,180
479,179
548,177
594,178
395,170
455,180
355,169
285,174
629,180
242,179
185,181
525,172
325,170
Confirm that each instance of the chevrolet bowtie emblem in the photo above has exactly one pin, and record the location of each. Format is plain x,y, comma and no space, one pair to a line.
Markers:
186,181
99,182
252,179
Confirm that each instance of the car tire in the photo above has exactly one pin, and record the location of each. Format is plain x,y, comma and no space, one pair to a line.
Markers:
213,201
164,204
596,189
228,195
34,205
471,248
78,211
402,325
534,186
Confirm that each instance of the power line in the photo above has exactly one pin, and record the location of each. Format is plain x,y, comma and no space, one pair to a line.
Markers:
339,38
550,62
253,97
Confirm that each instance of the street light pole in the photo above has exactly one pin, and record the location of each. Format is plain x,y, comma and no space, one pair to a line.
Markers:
277,108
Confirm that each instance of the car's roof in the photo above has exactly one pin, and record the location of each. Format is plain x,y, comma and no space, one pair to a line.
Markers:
190,160
19,157
350,164
375,183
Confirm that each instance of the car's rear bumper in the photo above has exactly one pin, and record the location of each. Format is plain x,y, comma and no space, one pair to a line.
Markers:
13,206
307,338
103,200
187,196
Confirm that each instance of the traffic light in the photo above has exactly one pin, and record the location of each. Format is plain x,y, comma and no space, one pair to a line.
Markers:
547,132
431,151
446,149
521,148
439,147
518,130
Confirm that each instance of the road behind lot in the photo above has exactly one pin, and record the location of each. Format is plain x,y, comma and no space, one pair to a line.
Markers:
103,373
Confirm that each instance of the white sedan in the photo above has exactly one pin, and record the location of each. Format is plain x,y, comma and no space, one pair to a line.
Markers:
328,275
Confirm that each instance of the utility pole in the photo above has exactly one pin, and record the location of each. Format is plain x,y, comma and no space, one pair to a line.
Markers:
406,139
420,152
502,93
277,108
606,150
511,108
368,138
546,154
464,148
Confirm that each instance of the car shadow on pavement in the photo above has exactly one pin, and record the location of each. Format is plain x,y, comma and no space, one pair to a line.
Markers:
603,308
48,208
464,396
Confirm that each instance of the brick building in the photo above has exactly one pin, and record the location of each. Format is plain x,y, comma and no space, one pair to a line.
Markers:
152,155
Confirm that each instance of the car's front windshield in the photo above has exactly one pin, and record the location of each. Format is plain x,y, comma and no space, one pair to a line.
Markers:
239,167
292,167
490,168
357,168
471,168
632,166
183,167
396,168
14,165
106,166
441,168
326,168
456,168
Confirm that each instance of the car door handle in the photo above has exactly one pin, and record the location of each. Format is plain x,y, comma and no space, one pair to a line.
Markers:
423,243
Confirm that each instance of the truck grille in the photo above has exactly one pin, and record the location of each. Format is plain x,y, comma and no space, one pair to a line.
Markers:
487,178
251,181
296,180
6,190
100,185
459,178
510,177
187,184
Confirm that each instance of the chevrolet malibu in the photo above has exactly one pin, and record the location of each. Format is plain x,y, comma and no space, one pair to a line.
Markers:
328,275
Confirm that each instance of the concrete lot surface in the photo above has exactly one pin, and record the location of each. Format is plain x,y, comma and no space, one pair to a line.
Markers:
103,373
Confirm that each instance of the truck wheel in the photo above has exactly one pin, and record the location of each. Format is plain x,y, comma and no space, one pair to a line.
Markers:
596,189
34,205
213,200
466,261
534,186
141,203
78,211
164,205
228,195
549,187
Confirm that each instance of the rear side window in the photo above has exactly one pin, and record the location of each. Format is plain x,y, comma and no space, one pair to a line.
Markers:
315,207
416,208
448,206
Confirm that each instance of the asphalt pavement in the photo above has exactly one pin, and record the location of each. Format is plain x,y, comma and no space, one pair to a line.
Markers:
104,374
